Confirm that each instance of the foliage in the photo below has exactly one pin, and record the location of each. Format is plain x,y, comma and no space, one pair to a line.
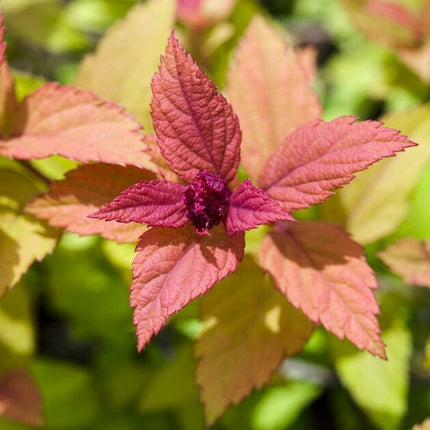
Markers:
229,166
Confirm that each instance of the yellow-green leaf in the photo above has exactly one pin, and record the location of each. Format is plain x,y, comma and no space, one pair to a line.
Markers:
23,238
377,200
249,329
122,67
379,387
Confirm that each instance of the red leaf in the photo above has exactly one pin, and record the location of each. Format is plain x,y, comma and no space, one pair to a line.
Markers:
77,124
324,273
195,126
322,156
250,207
20,399
241,346
84,190
203,13
269,91
173,267
410,259
157,203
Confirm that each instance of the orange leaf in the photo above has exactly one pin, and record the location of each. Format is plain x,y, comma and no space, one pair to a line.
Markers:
410,259
270,93
324,273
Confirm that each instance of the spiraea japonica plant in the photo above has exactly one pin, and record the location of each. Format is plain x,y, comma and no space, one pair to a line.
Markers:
218,170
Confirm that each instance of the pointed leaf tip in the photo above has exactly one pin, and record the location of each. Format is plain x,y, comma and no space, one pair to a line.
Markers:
173,267
322,156
324,273
250,207
195,125
156,203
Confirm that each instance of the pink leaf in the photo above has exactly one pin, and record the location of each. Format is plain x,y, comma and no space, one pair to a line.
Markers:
157,203
324,273
195,126
20,399
77,124
173,267
410,259
322,156
250,207
269,91
69,202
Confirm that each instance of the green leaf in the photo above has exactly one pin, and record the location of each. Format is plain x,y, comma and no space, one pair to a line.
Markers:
181,395
16,330
377,201
69,398
379,387
417,222
280,406
130,51
23,238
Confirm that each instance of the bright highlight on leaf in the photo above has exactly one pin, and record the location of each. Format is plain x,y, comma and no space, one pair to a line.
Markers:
324,273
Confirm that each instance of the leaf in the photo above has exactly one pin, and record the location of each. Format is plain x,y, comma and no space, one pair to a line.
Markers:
250,207
203,13
23,238
324,273
69,202
322,156
269,91
173,267
157,203
410,259
378,199
383,21
379,387
76,124
280,406
20,399
144,32
69,394
242,346
425,425
7,99
195,126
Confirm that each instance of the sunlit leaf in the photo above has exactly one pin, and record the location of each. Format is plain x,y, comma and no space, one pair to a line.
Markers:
195,126
173,267
378,199
77,124
322,156
69,202
250,328
269,91
130,52
23,238
324,273
379,387
410,259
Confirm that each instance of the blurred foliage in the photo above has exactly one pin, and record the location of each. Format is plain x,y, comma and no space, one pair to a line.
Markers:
69,320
